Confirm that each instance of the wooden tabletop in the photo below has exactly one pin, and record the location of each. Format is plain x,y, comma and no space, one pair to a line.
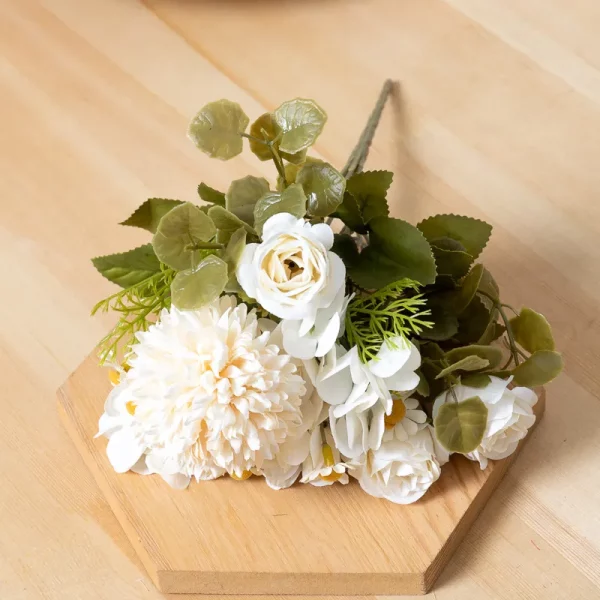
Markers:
499,118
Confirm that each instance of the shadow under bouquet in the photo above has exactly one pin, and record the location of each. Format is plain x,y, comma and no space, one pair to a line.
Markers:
296,331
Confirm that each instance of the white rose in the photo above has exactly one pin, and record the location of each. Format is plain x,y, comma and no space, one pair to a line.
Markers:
510,415
315,335
400,471
292,273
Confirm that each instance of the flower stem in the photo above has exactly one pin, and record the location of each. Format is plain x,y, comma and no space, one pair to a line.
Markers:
514,350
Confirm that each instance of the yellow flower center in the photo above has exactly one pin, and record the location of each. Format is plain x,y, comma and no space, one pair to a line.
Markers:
245,475
329,462
398,413
130,406
114,376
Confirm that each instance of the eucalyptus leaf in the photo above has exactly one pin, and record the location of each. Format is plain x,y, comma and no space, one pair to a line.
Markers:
128,268
301,121
211,195
468,363
476,380
492,354
396,250
266,128
178,230
243,194
292,200
539,369
473,234
232,255
217,127
148,215
460,426
227,223
532,331
323,185
194,288
468,288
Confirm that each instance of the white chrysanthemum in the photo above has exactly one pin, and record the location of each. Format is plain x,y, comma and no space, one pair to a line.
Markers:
206,394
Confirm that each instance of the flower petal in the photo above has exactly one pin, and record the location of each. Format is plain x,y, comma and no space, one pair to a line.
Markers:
389,359
280,223
324,234
123,450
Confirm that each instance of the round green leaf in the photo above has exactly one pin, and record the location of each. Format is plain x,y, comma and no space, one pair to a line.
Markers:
266,128
227,223
232,255
540,368
468,363
194,288
217,127
323,185
476,380
292,200
243,194
179,229
532,331
301,122
459,426
492,354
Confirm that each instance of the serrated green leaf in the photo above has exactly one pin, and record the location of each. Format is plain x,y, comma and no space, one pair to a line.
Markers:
243,194
266,128
211,195
182,227
323,185
301,121
227,223
468,288
451,258
292,200
476,380
148,215
532,331
488,285
344,246
128,268
469,363
493,331
396,250
539,369
217,127
459,426
492,354
473,234
445,322
194,288
473,322
349,213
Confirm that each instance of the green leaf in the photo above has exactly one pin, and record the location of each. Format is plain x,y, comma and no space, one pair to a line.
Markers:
476,380
468,288
128,268
232,256
227,223
301,122
292,200
243,194
365,199
344,246
445,323
194,288
179,229
493,331
473,234
397,250
540,368
266,128
469,363
488,285
451,258
211,195
423,388
148,215
492,354
217,127
459,426
473,322
323,185
532,331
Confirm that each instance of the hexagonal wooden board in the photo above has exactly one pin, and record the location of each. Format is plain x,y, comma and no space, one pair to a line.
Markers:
229,537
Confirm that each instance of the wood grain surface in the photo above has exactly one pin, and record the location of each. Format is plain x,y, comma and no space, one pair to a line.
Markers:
499,118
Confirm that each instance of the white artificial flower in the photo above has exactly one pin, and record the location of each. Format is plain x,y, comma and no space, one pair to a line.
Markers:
316,334
207,394
324,465
510,416
400,471
360,394
405,419
292,273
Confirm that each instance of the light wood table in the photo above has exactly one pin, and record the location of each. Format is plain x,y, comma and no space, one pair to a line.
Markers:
499,118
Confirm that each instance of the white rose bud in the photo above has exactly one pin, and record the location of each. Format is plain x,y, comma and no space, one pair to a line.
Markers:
292,273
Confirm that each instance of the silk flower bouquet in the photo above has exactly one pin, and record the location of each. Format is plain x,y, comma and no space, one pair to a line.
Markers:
253,340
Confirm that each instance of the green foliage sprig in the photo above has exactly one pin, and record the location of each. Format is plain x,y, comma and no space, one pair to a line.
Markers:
138,307
393,311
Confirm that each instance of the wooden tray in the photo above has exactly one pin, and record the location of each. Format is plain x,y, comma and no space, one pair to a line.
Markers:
229,537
